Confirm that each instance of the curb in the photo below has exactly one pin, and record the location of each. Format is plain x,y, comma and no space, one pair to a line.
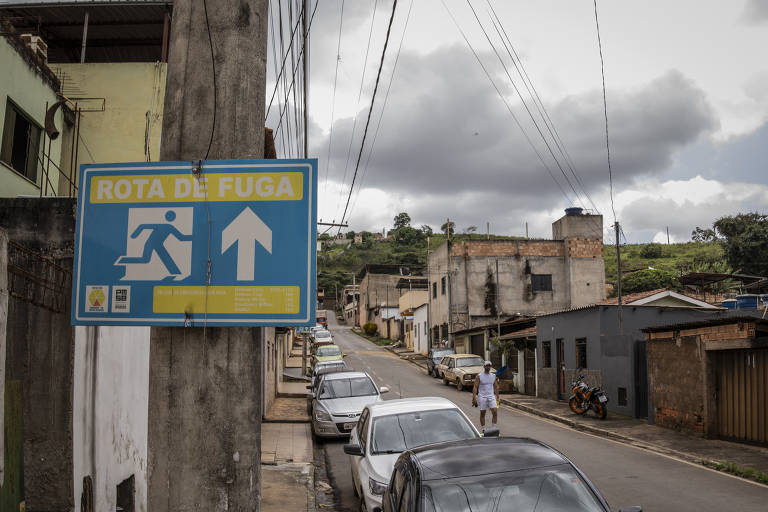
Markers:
608,434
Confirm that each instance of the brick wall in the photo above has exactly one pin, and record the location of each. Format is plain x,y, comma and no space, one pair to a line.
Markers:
585,248
735,331
676,378
493,248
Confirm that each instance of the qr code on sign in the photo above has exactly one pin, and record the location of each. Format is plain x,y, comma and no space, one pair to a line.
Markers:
121,299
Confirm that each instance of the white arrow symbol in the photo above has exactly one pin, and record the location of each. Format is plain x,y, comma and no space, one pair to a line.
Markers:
246,229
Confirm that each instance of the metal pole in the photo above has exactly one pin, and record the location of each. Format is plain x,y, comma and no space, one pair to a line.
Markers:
498,313
85,38
618,273
429,301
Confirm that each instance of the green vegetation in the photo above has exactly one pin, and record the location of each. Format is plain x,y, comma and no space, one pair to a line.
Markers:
369,328
735,469
733,244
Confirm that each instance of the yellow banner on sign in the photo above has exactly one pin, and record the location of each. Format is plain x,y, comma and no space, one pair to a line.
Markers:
268,300
164,188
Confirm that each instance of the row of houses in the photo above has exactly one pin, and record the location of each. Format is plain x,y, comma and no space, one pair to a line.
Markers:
538,310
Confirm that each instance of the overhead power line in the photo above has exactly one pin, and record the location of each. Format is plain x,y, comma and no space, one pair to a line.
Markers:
370,110
333,101
506,103
605,112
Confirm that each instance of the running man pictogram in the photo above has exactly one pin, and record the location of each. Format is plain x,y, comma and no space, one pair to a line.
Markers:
155,243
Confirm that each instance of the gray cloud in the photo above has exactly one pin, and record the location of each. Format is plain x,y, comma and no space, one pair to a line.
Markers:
446,132
756,11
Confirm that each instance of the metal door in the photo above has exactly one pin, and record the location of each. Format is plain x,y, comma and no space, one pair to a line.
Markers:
742,396
641,380
530,371
560,369
477,344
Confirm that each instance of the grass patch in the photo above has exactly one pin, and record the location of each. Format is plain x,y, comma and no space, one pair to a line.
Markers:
382,342
735,469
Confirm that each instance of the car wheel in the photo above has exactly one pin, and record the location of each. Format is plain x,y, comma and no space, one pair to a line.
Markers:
459,385
445,380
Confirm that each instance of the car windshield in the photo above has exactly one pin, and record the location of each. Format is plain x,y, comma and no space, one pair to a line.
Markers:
400,432
438,354
345,388
550,488
469,361
328,351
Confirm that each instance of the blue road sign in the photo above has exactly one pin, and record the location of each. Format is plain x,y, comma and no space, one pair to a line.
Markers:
230,242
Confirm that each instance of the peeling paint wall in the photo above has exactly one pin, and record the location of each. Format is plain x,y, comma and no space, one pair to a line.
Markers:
110,400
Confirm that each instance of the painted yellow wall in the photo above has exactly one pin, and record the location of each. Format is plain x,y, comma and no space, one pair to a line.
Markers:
133,92
26,88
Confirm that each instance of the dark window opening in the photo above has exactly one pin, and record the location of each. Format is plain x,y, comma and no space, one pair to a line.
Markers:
442,286
546,354
581,352
541,282
622,396
125,495
434,290
21,142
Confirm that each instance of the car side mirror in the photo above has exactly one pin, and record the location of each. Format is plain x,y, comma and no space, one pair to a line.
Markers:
491,432
383,389
353,449
635,508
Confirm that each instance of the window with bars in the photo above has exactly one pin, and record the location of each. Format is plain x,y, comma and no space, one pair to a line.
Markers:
541,282
581,352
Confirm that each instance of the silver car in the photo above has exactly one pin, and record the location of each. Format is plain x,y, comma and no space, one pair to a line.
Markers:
338,401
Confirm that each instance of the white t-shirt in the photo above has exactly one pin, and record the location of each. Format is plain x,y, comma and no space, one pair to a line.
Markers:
485,389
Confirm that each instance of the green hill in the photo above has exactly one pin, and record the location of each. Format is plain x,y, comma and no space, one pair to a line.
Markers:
336,263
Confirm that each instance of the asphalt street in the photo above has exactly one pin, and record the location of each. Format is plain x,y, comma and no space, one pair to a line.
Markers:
624,474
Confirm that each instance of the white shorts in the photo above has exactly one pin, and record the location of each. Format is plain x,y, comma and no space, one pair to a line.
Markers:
488,402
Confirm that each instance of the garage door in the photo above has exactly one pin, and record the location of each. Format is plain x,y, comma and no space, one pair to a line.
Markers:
742,380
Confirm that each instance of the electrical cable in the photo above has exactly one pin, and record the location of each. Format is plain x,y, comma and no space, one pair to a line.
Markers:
506,103
525,105
370,110
213,67
383,108
282,67
333,101
605,111
277,76
357,107
533,93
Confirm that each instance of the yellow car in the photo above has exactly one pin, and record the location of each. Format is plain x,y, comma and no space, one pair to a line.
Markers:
327,353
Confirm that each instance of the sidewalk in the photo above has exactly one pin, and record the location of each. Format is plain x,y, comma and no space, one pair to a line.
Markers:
638,432
287,473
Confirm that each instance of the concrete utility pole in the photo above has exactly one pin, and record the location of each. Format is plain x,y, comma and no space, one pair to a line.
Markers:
205,392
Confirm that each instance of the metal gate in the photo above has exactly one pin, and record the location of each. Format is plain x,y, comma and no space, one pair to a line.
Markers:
742,394
530,371
477,345
641,380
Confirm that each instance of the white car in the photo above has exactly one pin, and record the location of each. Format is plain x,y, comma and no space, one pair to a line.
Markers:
338,401
322,337
386,429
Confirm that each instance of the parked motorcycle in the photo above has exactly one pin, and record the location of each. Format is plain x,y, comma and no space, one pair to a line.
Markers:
585,398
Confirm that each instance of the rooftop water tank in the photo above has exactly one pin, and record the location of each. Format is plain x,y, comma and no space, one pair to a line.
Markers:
574,210
746,301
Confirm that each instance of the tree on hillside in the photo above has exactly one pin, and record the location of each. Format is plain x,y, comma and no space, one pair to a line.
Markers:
350,235
745,241
703,235
402,220
470,229
407,236
426,229
651,251
448,227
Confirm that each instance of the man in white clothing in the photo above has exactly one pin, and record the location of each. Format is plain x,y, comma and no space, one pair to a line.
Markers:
487,389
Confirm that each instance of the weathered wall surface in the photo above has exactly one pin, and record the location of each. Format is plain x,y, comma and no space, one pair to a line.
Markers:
378,290
110,398
40,343
30,91
133,110
676,372
3,324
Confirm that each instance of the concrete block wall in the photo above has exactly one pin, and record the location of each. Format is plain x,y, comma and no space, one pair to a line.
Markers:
676,377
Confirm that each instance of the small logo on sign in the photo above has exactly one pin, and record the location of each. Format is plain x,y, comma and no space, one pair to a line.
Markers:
96,297
121,299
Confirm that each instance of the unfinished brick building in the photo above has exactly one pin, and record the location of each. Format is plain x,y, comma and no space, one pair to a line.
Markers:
534,276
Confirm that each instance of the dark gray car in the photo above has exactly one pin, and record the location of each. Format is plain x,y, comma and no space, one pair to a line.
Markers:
433,358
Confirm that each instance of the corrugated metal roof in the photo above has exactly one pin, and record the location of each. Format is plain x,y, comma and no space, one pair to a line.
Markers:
118,31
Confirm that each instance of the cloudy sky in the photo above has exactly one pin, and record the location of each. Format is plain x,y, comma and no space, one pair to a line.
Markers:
687,96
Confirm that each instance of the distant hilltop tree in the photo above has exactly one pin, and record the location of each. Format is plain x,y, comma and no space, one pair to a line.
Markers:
402,220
